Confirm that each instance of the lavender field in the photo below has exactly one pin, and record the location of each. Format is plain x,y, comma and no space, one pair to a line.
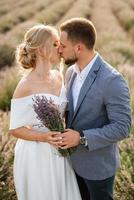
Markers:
114,21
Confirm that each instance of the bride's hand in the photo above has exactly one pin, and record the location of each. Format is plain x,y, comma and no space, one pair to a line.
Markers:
52,137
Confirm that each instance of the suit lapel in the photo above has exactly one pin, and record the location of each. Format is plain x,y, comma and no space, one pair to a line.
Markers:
87,84
69,95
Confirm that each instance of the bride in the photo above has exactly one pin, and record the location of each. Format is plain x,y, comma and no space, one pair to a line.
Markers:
39,172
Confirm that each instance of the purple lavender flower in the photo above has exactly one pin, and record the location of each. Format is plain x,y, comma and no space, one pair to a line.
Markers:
49,115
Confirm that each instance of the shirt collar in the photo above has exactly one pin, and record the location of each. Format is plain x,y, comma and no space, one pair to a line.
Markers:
83,74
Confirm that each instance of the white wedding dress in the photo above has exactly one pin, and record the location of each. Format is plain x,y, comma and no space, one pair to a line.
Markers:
40,173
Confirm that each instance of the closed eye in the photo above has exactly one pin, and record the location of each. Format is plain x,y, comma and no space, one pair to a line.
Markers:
56,44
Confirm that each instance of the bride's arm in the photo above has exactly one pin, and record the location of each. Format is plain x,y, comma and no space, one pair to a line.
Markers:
32,135
25,132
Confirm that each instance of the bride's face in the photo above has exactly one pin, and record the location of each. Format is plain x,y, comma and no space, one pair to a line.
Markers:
54,54
49,51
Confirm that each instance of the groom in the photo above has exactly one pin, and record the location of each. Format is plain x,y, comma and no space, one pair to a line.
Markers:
98,110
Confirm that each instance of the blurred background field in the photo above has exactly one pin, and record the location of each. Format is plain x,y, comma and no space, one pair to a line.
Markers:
114,21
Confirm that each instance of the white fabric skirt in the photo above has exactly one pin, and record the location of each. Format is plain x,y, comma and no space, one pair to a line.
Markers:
41,174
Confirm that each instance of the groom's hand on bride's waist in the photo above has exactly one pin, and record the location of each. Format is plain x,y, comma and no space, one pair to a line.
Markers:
70,138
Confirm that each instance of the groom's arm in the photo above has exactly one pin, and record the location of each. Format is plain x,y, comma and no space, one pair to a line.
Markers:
117,103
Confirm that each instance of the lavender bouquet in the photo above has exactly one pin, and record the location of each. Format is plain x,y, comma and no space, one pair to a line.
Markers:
49,115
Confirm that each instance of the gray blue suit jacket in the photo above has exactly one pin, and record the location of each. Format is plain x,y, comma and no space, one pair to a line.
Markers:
103,114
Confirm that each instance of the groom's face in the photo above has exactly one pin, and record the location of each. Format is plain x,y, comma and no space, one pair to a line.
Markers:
67,49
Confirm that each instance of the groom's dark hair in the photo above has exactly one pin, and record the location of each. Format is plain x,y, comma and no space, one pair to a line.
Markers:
80,30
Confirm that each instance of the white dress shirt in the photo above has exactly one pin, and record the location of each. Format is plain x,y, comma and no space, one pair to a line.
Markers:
79,80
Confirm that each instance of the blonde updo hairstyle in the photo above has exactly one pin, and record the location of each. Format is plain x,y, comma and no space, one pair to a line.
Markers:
35,37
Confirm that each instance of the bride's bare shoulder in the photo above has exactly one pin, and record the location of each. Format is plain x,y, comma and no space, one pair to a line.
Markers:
22,89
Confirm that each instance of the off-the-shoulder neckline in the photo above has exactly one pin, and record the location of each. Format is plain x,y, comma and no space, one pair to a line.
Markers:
35,94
